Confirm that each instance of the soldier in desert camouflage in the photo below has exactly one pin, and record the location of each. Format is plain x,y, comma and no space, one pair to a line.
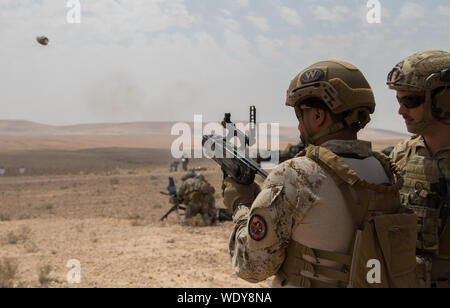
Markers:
198,196
301,225
184,162
174,166
422,84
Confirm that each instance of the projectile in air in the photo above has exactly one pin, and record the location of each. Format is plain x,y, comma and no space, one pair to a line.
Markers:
42,40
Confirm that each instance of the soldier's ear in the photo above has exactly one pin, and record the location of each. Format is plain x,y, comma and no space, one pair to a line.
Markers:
320,116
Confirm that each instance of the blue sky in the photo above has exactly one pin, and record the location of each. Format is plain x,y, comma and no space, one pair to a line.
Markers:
154,60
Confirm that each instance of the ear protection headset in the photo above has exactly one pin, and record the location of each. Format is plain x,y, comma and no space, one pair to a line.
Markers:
440,107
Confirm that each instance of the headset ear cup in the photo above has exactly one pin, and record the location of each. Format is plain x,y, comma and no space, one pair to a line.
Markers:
441,104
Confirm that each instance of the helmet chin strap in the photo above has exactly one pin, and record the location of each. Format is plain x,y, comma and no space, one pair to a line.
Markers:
305,134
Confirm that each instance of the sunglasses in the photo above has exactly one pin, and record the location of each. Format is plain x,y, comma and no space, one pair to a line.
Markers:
411,102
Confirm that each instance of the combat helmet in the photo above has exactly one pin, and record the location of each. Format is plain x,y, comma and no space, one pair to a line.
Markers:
428,72
343,89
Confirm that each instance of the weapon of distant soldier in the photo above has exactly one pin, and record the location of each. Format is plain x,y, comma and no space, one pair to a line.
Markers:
197,169
172,192
234,162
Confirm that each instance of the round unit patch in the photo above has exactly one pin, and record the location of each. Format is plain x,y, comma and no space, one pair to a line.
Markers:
257,228
418,186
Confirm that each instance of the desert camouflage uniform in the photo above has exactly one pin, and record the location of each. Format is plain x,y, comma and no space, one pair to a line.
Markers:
198,196
420,170
174,166
184,163
292,191
400,157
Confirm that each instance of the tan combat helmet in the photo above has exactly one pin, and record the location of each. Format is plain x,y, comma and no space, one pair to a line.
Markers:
341,86
428,72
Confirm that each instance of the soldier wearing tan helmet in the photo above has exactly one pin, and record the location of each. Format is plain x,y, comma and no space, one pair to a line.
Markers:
322,216
422,82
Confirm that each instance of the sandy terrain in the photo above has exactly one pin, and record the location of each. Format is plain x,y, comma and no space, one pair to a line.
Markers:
95,198
110,223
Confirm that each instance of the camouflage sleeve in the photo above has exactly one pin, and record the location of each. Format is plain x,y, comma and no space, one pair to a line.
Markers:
399,151
262,233
180,192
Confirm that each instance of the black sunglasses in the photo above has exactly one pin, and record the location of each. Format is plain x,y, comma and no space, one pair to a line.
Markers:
412,101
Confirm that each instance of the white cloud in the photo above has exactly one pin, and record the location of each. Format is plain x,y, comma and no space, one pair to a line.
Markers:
291,16
336,14
225,12
260,22
241,3
139,15
229,23
270,49
411,11
443,10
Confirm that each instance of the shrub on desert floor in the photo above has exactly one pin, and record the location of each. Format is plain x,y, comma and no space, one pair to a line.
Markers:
49,206
137,220
19,236
138,223
44,275
31,247
4,217
114,181
8,271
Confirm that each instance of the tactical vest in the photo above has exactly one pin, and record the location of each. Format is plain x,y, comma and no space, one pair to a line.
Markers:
386,234
426,191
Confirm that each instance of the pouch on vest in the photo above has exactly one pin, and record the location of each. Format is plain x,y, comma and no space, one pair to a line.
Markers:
386,256
427,193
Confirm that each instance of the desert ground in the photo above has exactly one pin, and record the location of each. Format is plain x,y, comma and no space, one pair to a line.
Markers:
92,193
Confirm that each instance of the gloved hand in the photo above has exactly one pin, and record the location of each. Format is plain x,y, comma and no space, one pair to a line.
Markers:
235,194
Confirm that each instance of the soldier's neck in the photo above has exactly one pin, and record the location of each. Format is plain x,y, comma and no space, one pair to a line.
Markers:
341,135
437,138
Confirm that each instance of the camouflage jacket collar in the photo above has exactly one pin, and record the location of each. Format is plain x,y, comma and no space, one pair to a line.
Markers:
360,148
419,142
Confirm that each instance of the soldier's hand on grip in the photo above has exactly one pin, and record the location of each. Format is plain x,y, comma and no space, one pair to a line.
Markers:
235,194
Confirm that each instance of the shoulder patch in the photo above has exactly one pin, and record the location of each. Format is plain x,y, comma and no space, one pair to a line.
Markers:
257,228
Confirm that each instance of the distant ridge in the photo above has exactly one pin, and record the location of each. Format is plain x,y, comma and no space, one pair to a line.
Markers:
28,128
391,132
20,127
